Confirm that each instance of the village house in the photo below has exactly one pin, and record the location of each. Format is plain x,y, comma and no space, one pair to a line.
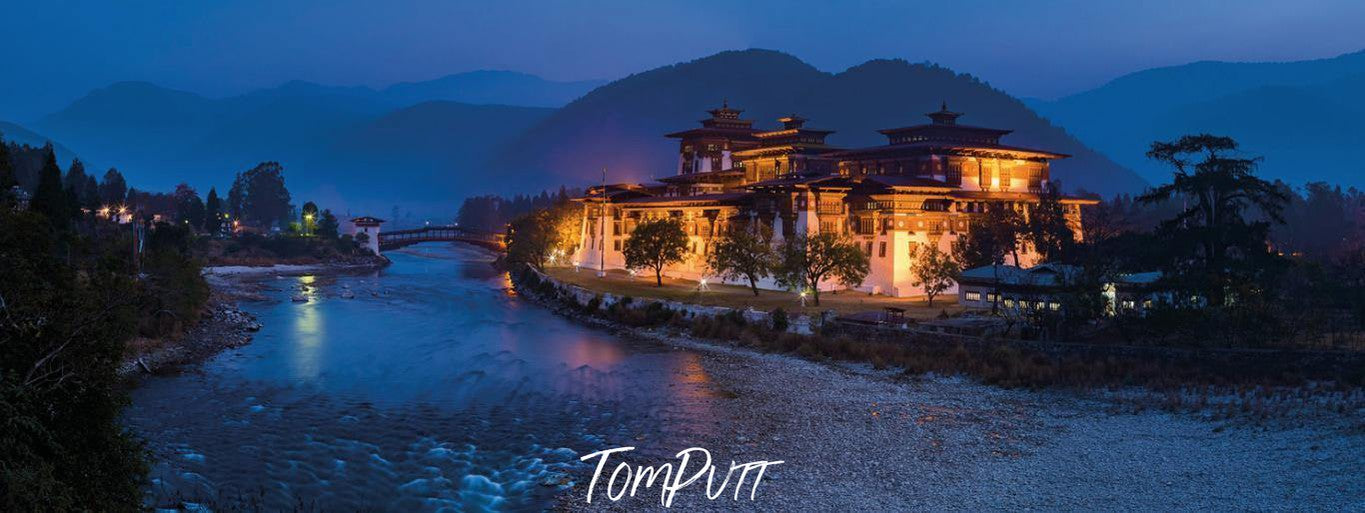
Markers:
1045,287
923,187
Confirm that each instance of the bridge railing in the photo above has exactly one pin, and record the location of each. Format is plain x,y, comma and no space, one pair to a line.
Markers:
438,233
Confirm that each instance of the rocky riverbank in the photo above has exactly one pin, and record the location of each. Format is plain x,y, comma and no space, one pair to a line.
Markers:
223,324
855,438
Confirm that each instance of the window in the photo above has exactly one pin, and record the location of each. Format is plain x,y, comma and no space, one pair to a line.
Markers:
990,297
972,296
869,248
616,245
1009,303
1127,304
1054,306
881,249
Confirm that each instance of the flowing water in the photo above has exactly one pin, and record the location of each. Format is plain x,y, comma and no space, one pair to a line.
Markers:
433,388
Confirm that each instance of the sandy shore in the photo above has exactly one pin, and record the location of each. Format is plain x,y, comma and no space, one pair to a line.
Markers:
857,439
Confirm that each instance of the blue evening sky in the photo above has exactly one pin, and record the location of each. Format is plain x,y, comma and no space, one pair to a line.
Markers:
57,50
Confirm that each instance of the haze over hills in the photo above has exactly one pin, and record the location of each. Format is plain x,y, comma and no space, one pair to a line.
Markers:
491,87
358,147
621,125
13,133
162,136
1303,117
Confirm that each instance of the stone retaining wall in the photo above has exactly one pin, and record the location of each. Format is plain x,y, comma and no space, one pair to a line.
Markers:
582,296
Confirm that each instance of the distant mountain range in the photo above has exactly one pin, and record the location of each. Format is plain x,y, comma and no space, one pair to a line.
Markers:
428,144
1303,117
332,140
621,125
16,134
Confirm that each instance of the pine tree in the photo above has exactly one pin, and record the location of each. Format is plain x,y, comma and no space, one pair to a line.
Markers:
7,176
48,198
213,215
113,189
90,193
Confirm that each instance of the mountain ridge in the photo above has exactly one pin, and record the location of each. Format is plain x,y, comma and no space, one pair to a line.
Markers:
1296,114
621,125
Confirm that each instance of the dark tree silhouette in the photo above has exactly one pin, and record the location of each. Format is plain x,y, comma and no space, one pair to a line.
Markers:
1212,238
213,213
48,198
113,189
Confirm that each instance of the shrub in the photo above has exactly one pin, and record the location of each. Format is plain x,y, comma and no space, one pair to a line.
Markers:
779,319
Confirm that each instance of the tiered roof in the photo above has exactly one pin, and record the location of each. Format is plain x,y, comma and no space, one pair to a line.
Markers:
724,122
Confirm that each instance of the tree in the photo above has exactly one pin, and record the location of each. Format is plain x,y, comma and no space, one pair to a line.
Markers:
90,193
48,198
742,253
72,185
1048,230
259,197
8,178
990,238
1215,248
189,208
808,260
213,213
65,325
310,218
113,189
236,199
932,269
541,235
655,244
328,226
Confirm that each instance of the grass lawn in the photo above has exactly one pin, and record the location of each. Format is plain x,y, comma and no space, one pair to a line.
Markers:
845,302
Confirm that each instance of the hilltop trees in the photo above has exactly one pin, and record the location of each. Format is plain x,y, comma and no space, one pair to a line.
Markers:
808,260
655,244
744,254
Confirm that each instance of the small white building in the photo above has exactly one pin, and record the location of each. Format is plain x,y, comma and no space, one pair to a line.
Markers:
1041,286
369,227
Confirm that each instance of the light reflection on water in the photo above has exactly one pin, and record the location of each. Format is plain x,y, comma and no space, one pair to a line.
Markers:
432,388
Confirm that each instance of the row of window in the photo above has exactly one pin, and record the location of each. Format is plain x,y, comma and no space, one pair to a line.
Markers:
1009,302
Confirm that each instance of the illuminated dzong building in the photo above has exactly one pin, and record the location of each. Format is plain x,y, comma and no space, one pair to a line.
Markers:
922,187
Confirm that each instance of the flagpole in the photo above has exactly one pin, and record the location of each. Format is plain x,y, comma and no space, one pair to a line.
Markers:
602,219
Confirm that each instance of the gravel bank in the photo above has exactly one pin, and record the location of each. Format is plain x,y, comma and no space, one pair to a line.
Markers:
856,439
224,325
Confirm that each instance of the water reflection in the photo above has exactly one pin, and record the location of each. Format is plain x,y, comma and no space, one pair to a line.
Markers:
427,387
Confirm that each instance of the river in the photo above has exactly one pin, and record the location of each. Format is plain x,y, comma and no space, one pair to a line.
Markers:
434,388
